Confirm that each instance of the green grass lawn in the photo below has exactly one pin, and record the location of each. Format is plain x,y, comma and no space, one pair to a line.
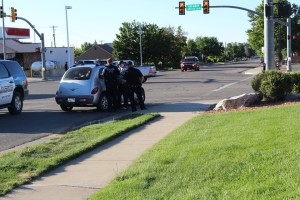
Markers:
21,166
235,155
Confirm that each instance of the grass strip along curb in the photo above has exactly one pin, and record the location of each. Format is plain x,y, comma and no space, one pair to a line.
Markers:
253,154
21,166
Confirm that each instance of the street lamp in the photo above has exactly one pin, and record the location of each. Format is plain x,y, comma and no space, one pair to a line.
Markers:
140,32
69,55
3,33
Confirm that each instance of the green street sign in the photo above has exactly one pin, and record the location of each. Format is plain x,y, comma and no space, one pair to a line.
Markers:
192,7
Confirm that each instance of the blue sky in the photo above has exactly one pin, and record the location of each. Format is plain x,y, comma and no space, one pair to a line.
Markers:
99,20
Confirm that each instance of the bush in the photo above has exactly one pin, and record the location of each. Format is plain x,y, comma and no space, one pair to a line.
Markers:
295,82
256,81
272,85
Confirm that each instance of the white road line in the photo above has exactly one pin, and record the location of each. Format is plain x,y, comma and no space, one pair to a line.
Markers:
228,85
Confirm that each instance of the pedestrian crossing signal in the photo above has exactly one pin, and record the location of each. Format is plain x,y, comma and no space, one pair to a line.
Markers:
206,7
181,8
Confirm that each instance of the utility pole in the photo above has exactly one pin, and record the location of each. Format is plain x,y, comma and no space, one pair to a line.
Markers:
269,35
53,28
3,33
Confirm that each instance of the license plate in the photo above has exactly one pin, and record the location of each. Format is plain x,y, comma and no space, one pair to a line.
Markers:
71,100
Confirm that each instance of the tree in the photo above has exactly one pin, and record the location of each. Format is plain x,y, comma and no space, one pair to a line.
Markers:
256,33
85,46
77,52
191,49
210,47
159,45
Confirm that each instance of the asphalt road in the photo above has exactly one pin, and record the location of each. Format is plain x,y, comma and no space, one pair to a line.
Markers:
41,116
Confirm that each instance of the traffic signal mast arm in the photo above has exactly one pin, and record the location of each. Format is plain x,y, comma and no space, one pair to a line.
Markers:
257,13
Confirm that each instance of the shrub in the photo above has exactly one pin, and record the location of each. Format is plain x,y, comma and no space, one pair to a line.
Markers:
295,82
256,81
272,85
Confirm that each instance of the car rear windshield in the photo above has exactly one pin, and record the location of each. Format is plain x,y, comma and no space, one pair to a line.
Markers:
189,60
78,73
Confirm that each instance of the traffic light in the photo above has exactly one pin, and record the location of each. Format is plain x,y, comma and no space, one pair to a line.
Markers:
284,10
206,7
13,14
1,11
181,8
38,50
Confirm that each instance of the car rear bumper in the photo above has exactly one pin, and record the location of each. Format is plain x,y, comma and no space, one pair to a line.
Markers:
78,101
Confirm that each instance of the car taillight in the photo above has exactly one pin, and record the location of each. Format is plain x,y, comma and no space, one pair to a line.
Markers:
95,90
25,83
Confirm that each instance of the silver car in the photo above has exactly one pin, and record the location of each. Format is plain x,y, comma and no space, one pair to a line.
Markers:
82,86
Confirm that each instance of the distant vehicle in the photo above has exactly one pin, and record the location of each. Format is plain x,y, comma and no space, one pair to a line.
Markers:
244,59
190,62
84,62
13,86
147,70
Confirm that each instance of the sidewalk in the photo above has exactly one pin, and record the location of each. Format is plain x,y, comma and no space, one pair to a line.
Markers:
89,173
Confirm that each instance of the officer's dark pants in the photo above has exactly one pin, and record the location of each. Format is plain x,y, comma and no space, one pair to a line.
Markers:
112,93
138,91
122,91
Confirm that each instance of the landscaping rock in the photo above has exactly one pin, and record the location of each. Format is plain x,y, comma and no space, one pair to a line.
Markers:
235,102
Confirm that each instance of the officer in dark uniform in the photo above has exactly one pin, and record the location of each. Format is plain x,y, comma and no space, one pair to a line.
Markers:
134,78
110,74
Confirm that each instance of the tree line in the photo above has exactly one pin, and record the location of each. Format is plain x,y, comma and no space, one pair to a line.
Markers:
166,46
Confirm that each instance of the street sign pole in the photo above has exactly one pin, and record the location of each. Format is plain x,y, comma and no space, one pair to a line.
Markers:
289,45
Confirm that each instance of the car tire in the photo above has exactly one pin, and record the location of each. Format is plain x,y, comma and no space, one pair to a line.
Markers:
66,108
16,104
103,103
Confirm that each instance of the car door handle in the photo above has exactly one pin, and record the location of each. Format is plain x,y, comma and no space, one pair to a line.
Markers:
11,82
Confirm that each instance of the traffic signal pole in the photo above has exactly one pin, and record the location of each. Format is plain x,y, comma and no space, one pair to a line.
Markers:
269,37
41,36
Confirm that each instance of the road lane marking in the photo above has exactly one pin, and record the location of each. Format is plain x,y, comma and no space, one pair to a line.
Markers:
230,84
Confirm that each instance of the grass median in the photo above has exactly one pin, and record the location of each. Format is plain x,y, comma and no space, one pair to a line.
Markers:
252,154
21,166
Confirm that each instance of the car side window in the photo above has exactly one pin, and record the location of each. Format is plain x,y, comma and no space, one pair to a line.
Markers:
3,72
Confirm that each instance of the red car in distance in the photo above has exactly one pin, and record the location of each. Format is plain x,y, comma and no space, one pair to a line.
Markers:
190,62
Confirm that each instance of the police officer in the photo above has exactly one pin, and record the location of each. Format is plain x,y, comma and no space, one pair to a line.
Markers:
134,78
110,75
122,87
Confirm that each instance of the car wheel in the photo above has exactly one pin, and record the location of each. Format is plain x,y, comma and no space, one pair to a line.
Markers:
103,103
145,79
16,104
182,70
66,108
